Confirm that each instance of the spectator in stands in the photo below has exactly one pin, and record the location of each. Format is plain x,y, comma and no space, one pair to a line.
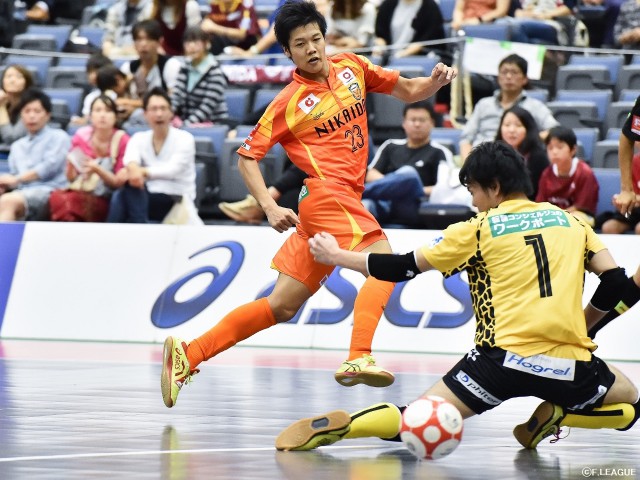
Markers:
626,31
232,23
483,124
92,166
620,223
160,167
121,17
403,172
198,97
537,22
149,70
94,64
519,129
15,80
350,25
113,83
476,12
174,17
48,11
393,29
36,162
601,28
568,182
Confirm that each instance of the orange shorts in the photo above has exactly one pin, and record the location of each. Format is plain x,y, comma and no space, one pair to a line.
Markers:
325,207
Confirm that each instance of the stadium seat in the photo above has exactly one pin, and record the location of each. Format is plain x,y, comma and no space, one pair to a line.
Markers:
609,182
232,187
602,98
541,94
60,32
627,95
613,134
92,34
490,31
605,154
216,135
448,137
263,97
617,114
238,103
33,41
66,77
71,96
582,77
613,63
587,138
446,8
629,79
385,121
422,61
74,61
575,114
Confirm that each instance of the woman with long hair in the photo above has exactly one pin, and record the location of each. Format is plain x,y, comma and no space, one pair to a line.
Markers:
174,17
518,128
15,80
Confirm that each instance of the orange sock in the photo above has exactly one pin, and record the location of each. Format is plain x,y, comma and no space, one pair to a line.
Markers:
237,325
367,310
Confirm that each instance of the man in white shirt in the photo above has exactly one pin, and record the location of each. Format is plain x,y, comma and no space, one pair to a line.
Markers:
160,167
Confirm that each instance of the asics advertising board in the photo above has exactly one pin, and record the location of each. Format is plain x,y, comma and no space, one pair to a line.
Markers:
144,282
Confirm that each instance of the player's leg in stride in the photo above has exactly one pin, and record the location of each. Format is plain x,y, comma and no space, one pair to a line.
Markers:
380,420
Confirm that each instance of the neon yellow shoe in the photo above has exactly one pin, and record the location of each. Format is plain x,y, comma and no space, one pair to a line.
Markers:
363,370
175,370
544,422
314,432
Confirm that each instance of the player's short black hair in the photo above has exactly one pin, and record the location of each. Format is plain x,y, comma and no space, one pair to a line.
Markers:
293,14
496,162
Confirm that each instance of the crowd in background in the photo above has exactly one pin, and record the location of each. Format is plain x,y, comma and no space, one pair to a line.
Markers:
171,49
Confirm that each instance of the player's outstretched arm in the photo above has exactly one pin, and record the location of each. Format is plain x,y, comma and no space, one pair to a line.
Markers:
415,89
383,266
625,201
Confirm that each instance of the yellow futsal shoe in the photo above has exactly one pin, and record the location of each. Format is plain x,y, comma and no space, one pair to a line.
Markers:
175,370
363,370
314,432
544,422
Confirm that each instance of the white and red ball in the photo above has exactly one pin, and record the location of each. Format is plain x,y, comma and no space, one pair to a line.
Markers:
431,427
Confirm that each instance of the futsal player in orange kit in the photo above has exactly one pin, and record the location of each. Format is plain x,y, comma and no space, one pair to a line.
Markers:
321,121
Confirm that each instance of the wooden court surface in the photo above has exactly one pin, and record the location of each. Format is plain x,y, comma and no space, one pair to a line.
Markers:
73,410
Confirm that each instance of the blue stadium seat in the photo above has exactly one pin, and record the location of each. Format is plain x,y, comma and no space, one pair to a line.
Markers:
446,8
74,61
541,94
237,103
92,34
627,95
448,137
216,134
263,97
601,98
422,61
605,154
583,77
71,96
613,134
613,63
629,79
489,31
617,114
609,182
587,138
60,32
66,77
33,41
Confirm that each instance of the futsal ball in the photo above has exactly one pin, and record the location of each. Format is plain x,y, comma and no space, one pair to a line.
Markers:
431,427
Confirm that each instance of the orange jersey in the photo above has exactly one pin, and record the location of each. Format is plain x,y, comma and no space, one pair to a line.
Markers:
323,126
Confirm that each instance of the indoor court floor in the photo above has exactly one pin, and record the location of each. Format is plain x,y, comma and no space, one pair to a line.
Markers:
75,410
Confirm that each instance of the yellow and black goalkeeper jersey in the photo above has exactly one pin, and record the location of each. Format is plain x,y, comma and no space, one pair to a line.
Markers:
526,265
